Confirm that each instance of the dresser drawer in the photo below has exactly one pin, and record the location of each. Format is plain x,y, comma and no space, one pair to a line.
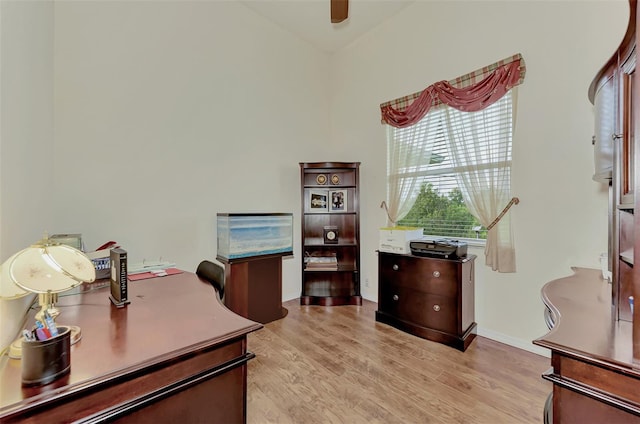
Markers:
424,309
430,276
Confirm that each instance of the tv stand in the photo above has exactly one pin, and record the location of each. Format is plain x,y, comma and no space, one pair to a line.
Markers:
253,287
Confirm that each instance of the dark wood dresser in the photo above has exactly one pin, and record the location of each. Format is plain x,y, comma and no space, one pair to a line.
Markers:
175,354
428,297
593,373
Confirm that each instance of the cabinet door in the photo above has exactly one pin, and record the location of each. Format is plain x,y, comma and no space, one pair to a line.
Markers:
628,136
605,113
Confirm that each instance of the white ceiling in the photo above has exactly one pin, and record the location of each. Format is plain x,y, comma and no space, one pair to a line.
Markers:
311,19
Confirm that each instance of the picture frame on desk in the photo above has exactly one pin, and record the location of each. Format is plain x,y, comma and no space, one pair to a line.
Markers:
317,201
338,201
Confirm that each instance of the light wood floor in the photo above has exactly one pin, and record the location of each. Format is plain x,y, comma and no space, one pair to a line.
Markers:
338,365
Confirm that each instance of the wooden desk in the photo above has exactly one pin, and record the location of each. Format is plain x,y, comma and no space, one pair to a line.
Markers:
175,354
595,379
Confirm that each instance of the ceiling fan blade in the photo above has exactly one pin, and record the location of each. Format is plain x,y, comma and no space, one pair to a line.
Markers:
339,10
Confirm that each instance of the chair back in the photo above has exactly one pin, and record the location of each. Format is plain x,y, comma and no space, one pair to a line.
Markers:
213,273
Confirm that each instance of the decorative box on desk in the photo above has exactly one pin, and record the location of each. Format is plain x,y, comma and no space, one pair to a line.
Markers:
428,297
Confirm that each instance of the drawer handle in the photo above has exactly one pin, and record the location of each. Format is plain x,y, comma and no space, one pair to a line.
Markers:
395,267
395,297
436,274
436,308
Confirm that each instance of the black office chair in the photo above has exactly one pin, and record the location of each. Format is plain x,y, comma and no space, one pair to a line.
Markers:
214,274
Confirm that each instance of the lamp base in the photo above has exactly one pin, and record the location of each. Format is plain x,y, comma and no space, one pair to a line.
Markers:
15,349
76,333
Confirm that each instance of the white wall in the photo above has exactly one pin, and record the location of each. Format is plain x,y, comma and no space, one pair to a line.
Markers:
26,135
170,112
562,218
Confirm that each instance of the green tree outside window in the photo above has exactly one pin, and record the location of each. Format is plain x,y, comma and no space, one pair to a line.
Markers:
443,214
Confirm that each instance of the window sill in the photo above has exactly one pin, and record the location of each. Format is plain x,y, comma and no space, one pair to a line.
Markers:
475,242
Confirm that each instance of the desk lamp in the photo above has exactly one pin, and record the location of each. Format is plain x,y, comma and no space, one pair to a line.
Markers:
45,268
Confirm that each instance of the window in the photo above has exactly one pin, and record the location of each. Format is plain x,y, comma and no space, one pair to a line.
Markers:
433,154
469,141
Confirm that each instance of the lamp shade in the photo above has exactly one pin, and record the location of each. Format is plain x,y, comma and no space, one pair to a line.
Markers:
44,268
8,289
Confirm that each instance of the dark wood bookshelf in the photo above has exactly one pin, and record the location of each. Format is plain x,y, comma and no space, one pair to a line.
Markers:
321,184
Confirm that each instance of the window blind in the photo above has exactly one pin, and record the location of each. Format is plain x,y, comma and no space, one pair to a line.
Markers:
437,167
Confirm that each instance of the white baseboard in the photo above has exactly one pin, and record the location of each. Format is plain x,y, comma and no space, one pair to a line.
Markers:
515,342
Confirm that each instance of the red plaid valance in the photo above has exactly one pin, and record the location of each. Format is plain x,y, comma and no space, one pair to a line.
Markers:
471,92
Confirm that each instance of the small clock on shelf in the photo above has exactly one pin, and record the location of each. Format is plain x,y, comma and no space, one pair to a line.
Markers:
330,234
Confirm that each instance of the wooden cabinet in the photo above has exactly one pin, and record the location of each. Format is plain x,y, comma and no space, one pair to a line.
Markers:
595,337
330,233
613,95
428,297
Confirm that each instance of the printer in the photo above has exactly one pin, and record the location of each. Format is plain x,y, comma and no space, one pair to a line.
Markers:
439,248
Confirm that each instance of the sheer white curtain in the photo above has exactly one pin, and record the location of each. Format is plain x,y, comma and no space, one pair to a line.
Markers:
481,145
408,150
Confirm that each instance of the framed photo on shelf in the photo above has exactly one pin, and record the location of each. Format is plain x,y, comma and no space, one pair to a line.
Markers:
318,201
338,201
